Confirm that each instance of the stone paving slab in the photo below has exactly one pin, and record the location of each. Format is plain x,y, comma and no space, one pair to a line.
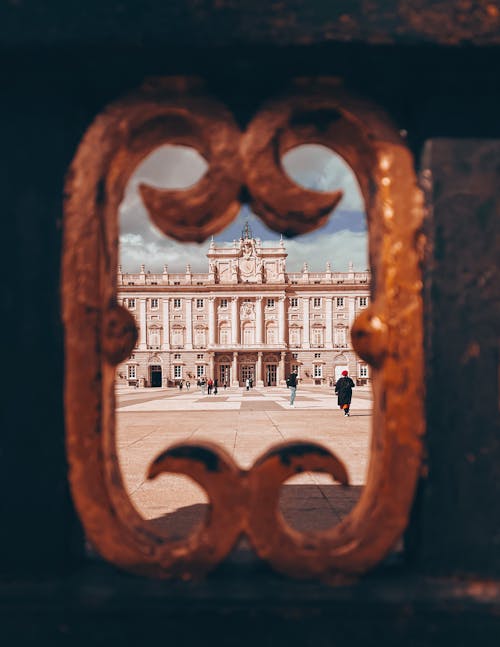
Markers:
245,427
261,405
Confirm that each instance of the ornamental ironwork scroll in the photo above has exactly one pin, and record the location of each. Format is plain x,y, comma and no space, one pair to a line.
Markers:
99,333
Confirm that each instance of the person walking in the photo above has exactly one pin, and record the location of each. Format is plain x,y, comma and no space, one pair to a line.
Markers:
188,385
292,385
216,384
343,389
210,385
247,383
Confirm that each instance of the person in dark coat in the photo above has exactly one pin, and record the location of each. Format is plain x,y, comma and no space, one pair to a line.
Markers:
343,388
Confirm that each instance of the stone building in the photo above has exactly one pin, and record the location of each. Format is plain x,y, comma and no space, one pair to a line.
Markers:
247,317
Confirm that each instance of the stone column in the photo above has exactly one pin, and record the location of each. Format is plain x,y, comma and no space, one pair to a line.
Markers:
306,342
189,324
142,324
211,365
280,378
234,370
166,324
259,380
281,320
329,322
258,320
235,322
211,321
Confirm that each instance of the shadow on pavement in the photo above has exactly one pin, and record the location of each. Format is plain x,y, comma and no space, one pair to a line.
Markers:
305,507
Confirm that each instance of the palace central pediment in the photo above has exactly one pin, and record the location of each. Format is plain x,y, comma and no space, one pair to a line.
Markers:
247,261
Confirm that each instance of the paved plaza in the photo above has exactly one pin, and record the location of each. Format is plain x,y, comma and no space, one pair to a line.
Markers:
245,423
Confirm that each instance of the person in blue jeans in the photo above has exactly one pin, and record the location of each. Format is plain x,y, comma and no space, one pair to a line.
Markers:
292,385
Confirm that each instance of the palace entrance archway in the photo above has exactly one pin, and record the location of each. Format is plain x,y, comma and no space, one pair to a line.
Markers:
271,374
155,375
247,371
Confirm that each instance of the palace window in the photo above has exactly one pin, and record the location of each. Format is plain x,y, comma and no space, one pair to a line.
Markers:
317,336
295,356
248,335
317,302
132,372
200,337
271,335
200,370
177,371
154,304
363,370
177,303
317,355
294,302
340,337
199,303
224,335
363,302
223,303
177,282
154,338
199,356
131,303
295,336
177,355
318,370
295,368
270,303
177,337
340,302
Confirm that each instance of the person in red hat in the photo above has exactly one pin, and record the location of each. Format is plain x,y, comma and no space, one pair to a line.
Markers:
343,389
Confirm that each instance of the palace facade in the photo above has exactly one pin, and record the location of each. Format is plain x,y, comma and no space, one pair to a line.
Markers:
247,317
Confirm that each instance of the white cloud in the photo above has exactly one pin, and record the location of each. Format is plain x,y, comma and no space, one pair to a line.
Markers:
317,167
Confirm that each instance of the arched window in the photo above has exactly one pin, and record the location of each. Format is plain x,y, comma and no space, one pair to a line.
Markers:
271,334
317,336
295,336
248,334
177,337
154,338
224,334
340,337
200,337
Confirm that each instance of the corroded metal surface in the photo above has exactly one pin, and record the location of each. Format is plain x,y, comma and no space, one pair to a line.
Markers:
388,335
447,22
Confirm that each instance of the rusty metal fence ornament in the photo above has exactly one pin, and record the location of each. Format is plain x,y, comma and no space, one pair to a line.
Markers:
100,334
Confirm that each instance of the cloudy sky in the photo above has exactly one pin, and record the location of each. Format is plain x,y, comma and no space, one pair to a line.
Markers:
341,240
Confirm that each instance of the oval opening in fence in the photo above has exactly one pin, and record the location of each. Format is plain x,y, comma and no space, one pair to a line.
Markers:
163,391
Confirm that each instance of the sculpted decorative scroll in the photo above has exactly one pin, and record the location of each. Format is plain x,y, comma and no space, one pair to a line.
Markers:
100,333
